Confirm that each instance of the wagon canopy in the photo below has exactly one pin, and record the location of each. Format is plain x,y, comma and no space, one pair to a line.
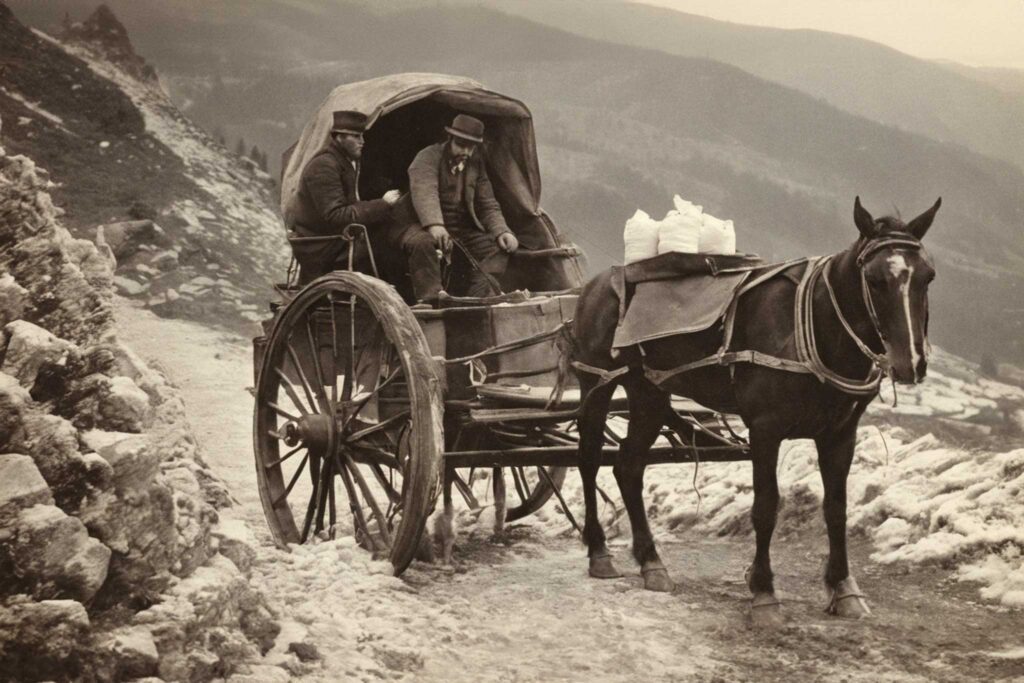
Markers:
511,150
408,112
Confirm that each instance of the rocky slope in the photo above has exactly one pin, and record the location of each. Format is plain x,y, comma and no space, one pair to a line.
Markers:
115,561
193,227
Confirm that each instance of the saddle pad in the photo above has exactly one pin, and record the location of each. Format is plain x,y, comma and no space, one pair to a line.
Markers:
678,306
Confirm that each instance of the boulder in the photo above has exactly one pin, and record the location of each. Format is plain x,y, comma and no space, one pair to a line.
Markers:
124,406
51,556
132,653
124,238
47,640
128,287
53,444
14,401
236,542
13,299
29,347
21,485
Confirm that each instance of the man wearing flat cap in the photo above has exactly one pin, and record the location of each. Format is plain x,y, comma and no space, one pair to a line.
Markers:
452,198
328,199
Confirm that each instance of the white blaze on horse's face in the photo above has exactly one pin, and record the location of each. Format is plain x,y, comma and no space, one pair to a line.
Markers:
898,285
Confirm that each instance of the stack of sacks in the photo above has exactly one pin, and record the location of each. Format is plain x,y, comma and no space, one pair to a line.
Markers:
685,228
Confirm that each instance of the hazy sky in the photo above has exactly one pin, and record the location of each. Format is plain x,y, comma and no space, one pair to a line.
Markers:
976,32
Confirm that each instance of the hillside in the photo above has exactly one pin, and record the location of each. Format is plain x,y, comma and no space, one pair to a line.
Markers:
193,227
635,127
859,76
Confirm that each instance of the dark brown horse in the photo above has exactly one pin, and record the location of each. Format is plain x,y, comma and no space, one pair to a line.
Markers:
868,311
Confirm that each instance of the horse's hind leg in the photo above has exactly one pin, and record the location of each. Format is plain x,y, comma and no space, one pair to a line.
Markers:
764,452
647,408
498,476
835,453
591,420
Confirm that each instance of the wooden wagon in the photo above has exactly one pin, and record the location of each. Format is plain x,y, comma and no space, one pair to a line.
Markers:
366,408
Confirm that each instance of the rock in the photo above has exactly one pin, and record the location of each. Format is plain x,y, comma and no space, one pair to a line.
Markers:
133,652
261,673
21,485
165,261
171,295
13,299
134,461
128,287
14,400
306,652
53,444
236,542
47,640
29,347
124,238
50,555
125,407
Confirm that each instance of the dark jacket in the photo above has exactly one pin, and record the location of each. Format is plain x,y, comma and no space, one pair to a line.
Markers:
328,200
478,193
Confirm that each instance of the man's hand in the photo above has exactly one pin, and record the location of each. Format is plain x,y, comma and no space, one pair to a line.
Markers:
441,237
508,242
392,197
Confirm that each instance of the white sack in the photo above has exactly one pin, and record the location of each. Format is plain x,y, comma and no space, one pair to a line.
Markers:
680,232
716,236
641,237
686,208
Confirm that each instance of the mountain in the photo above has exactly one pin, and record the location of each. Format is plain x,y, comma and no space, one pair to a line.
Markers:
618,128
1007,80
857,75
194,228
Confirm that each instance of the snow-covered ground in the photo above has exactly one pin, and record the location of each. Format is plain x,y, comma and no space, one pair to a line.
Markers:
931,518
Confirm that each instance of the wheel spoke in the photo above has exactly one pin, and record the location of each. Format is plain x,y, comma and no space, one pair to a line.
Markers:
282,412
306,386
383,457
291,484
313,349
278,461
353,503
290,390
357,476
361,403
326,484
516,474
394,496
314,475
363,433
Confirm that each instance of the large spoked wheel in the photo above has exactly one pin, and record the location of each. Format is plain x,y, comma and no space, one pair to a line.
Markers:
348,416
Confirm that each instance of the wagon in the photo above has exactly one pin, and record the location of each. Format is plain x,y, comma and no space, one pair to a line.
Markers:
365,409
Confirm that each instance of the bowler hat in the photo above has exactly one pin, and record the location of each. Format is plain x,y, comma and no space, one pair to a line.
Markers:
467,127
351,122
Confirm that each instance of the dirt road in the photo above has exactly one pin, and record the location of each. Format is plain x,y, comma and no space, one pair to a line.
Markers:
522,609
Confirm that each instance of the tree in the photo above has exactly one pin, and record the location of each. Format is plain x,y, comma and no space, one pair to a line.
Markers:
240,147
218,134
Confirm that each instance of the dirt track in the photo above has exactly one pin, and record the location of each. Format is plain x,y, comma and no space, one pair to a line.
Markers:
523,610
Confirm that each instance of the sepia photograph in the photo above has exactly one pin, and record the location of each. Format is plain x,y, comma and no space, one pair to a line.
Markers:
511,341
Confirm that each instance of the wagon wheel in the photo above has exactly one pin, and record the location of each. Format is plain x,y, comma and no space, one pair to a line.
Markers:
533,489
347,424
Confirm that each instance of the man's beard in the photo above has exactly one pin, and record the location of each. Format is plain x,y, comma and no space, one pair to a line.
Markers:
457,164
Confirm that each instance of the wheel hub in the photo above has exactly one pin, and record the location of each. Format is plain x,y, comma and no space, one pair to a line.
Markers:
312,431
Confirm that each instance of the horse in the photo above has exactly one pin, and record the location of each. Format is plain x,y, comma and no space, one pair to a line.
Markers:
864,316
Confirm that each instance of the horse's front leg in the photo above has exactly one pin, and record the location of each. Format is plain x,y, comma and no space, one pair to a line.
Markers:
765,608
835,453
498,476
647,408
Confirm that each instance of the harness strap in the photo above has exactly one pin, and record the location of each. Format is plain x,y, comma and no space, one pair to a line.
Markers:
606,376
880,360
729,358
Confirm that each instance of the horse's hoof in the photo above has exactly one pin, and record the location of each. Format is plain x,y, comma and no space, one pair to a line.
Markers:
602,567
765,611
656,578
847,601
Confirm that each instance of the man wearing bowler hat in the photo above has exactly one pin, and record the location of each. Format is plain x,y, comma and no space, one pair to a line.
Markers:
328,199
453,200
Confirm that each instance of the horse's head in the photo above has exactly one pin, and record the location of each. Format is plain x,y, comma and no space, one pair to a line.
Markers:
896,271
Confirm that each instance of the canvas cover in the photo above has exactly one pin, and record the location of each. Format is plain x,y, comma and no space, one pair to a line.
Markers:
406,113
511,149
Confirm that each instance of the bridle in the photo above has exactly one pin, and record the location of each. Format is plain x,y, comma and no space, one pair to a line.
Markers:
806,344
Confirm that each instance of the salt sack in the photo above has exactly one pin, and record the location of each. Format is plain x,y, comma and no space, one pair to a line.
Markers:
641,237
680,231
716,236
685,207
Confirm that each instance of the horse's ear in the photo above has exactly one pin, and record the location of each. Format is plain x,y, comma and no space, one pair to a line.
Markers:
865,223
919,226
